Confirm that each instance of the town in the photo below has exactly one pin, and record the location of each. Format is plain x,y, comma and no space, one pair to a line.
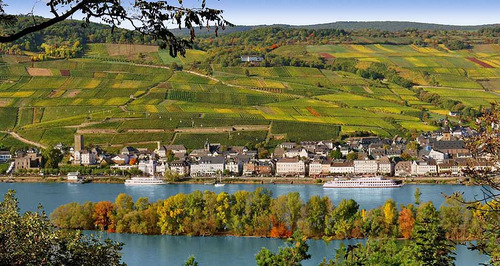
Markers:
441,153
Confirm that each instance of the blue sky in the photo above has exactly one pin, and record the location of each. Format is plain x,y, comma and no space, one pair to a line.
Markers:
299,12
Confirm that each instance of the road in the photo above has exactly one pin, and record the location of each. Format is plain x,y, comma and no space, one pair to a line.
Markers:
27,141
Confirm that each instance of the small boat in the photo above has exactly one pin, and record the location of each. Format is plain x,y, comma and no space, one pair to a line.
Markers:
144,181
363,182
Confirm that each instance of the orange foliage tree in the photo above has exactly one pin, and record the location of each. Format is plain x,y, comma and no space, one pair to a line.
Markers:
102,215
406,222
279,229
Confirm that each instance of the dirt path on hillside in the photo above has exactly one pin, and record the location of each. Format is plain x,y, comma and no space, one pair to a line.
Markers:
27,141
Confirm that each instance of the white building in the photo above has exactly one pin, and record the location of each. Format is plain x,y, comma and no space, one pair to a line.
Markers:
179,167
74,176
87,158
345,167
423,168
365,167
232,166
290,167
292,153
5,156
208,166
385,166
147,167
437,155
315,168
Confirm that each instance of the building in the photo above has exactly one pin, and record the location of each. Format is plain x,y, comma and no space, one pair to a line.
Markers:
147,167
292,153
5,156
403,168
385,166
342,167
365,167
87,158
28,160
74,176
421,168
290,167
79,145
251,58
316,168
179,167
128,151
208,166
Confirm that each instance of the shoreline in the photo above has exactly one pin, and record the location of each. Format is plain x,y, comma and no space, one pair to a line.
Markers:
238,180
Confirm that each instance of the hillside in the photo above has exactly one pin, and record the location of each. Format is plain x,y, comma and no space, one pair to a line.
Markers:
391,26
116,103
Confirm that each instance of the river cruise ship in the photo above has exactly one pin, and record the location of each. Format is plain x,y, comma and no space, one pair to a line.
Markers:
144,181
363,182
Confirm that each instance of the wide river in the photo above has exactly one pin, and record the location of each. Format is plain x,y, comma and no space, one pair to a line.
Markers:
174,250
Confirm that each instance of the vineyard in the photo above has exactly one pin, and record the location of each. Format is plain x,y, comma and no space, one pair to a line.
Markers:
115,102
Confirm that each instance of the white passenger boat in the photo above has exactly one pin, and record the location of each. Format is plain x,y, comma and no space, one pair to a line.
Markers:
144,181
363,182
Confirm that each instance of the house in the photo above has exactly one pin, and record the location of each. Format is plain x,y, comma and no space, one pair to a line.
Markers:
198,153
288,145
232,166
28,160
178,151
290,167
437,155
421,168
87,157
403,168
316,168
452,147
5,156
342,167
251,58
128,151
120,159
208,166
179,167
147,167
74,176
292,153
385,166
264,167
365,166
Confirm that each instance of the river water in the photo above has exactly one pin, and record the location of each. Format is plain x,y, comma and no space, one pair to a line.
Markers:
174,250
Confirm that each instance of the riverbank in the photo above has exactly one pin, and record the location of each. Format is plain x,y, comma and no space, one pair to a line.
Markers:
234,180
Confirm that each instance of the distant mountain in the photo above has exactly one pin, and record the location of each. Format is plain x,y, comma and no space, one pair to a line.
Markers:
392,26
349,25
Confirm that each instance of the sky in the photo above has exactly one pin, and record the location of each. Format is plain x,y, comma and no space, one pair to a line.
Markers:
300,12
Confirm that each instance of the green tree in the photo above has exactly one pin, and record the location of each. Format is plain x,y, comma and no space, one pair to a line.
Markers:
417,196
430,246
52,158
352,156
191,261
292,254
336,154
30,239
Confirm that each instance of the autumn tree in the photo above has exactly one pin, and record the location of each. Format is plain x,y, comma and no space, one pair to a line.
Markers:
171,215
406,221
485,147
150,18
103,211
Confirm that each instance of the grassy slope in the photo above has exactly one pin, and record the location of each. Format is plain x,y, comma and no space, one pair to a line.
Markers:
51,109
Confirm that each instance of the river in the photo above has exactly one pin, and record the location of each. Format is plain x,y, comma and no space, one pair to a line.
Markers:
174,250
